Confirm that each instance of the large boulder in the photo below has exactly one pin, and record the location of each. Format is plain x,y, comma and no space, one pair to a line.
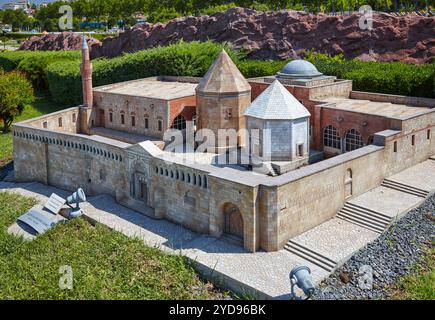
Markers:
55,42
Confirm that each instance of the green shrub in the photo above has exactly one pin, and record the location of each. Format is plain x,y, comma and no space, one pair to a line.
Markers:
15,92
255,68
34,63
383,77
188,59
34,66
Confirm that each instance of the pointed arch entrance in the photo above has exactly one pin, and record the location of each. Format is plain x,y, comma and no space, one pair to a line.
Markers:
233,221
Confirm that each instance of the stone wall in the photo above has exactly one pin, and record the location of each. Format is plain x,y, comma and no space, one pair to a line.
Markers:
66,120
68,161
132,106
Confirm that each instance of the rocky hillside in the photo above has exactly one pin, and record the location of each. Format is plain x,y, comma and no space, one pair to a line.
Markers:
286,34
61,41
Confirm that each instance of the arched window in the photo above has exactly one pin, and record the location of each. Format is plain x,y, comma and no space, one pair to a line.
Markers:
353,140
331,138
370,140
179,123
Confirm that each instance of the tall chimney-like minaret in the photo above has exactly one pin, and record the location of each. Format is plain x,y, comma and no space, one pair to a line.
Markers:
88,97
86,71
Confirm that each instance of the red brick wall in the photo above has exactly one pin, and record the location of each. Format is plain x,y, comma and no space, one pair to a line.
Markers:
184,106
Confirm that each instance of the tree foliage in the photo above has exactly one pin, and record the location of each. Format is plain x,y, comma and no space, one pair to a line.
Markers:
15,92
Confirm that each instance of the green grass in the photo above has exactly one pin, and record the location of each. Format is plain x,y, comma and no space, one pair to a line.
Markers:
41,106
105,263
420,283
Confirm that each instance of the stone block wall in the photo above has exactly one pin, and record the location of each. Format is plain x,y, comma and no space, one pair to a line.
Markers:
132,106
68,161
66,120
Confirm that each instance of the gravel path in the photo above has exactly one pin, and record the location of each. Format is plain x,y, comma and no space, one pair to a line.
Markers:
390,257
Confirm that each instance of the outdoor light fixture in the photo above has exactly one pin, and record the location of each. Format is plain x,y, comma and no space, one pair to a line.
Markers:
77,197
301,277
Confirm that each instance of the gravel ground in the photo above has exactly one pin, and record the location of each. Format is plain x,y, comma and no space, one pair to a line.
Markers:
389,257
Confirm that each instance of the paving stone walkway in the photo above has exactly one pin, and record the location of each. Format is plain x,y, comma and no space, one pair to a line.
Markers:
262,274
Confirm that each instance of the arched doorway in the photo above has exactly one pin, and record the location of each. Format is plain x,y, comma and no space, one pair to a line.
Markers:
233,221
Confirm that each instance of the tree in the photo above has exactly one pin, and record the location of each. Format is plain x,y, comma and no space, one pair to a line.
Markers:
15,92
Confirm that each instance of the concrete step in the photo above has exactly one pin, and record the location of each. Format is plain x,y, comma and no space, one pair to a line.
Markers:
376,214
361,224
363,217
397,188
310,255
405,188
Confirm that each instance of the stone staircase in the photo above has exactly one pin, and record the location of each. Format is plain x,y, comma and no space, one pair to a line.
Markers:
364,217
311,255
405,188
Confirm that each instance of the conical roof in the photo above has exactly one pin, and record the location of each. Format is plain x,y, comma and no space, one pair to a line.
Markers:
276,103
223,77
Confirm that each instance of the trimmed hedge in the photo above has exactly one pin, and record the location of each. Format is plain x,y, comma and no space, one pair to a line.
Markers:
383,77
188,59
34,63
60,71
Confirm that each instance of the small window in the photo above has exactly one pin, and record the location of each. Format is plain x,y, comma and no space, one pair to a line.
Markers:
122,119
428,134
133,121
59,122
147,123
413,140
160,123
111,116
228,113
45,124
74,117
395,146
300,150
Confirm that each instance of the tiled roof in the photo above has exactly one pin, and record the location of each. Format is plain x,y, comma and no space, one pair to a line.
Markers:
223,77
276,103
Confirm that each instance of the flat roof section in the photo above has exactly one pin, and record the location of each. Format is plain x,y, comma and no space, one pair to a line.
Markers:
151,88
383,109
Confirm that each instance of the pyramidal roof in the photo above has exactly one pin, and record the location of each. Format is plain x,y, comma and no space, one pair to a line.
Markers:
276,103
223,77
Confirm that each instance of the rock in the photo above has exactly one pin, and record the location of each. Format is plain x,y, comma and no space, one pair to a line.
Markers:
344,277
56,42
283,34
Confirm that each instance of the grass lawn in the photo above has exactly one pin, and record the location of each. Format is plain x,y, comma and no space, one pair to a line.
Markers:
105,263
420,283
41,106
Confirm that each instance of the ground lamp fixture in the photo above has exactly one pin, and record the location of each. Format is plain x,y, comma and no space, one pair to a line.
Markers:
76,198
301,277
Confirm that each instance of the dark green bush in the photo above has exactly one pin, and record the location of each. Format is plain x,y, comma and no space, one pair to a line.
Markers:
62,70
34,63
188,59
255,68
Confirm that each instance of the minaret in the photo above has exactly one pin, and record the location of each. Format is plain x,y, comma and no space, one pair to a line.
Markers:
86,71
88,98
